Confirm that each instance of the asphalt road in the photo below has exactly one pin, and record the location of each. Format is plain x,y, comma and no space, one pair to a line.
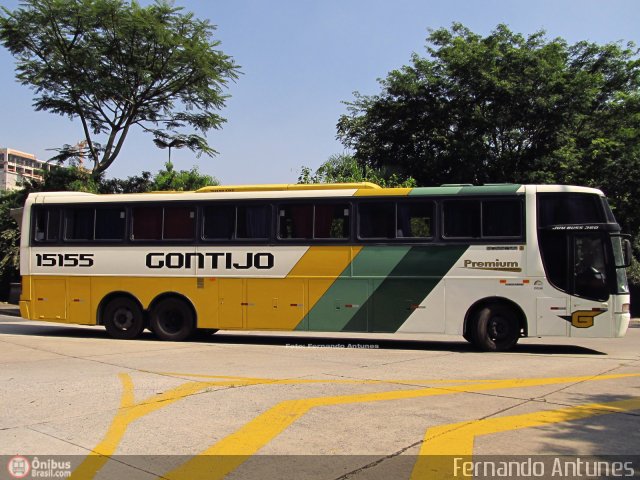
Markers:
290,405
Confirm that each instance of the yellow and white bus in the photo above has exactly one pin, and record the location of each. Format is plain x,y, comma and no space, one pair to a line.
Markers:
492,263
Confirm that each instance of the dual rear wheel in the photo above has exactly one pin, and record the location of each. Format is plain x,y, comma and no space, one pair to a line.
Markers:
171,318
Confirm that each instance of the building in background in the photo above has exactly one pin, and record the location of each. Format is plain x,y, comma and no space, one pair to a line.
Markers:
16,167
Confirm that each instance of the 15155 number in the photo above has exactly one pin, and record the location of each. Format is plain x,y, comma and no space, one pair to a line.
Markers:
64,259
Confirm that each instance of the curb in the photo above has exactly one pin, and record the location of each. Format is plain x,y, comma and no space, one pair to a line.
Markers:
9,309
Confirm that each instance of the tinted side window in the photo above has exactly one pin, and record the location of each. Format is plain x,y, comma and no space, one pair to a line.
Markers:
415,219
253,222
47,224
501,218
569,209
228,222
179,223
377,220
296,221
331,221
461,219
79,223
110,223
147,223
219,222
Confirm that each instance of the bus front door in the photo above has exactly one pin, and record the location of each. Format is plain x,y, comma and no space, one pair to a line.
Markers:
590,300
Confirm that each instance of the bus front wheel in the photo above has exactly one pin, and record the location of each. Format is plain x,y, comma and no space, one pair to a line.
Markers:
495,328
172,319
123,319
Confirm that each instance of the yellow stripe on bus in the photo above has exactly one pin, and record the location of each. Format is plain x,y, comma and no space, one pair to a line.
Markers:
398,192
322,266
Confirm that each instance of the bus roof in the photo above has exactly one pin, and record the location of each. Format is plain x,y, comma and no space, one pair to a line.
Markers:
272,191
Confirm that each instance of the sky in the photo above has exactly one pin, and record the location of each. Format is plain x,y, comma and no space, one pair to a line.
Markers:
300,60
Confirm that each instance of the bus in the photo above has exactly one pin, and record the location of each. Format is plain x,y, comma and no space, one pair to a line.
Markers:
491,263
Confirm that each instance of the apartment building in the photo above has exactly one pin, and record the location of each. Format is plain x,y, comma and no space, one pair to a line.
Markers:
16,167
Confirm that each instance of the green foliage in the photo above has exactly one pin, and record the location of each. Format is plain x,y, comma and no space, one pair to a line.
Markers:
68,179
508,108
343,168
182,180
9,239
501,108
135,184
115,65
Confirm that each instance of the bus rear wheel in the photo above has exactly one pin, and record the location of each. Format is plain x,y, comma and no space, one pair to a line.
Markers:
172,319
123,318
495,328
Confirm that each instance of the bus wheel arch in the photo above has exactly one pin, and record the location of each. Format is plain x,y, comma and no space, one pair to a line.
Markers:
122,315
172,317
495,324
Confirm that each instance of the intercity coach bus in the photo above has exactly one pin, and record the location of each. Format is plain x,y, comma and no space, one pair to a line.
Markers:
492,263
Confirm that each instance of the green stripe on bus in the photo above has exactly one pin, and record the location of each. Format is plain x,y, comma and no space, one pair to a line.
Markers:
395,298
435,191
502,189
348,295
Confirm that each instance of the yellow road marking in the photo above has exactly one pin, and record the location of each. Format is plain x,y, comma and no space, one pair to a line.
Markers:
295,381
127,413
238,447
441,444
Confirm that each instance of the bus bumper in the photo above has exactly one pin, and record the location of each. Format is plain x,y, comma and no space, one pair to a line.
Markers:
620,324
25,310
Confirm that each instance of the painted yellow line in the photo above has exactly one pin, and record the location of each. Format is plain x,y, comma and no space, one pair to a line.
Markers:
235,449
295,381
443,443
129,412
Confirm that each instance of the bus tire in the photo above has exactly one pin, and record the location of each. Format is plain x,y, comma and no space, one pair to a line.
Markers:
172,319
468,336
122,317
495,328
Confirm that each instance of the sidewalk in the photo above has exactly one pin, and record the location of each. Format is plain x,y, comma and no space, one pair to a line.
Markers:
9,309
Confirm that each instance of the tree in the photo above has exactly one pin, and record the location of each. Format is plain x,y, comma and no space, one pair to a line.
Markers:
9,240
498,108
114,66
182,180
343,168
507,108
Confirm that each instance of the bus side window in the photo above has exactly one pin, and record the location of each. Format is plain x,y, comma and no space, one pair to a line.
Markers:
252,222
79,224
461,218
295,221
501,218
377,220
147,223
415,219
219,222
331,221
110,223
47,225
179,223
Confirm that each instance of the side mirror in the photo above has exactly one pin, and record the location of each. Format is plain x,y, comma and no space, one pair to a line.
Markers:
627,252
